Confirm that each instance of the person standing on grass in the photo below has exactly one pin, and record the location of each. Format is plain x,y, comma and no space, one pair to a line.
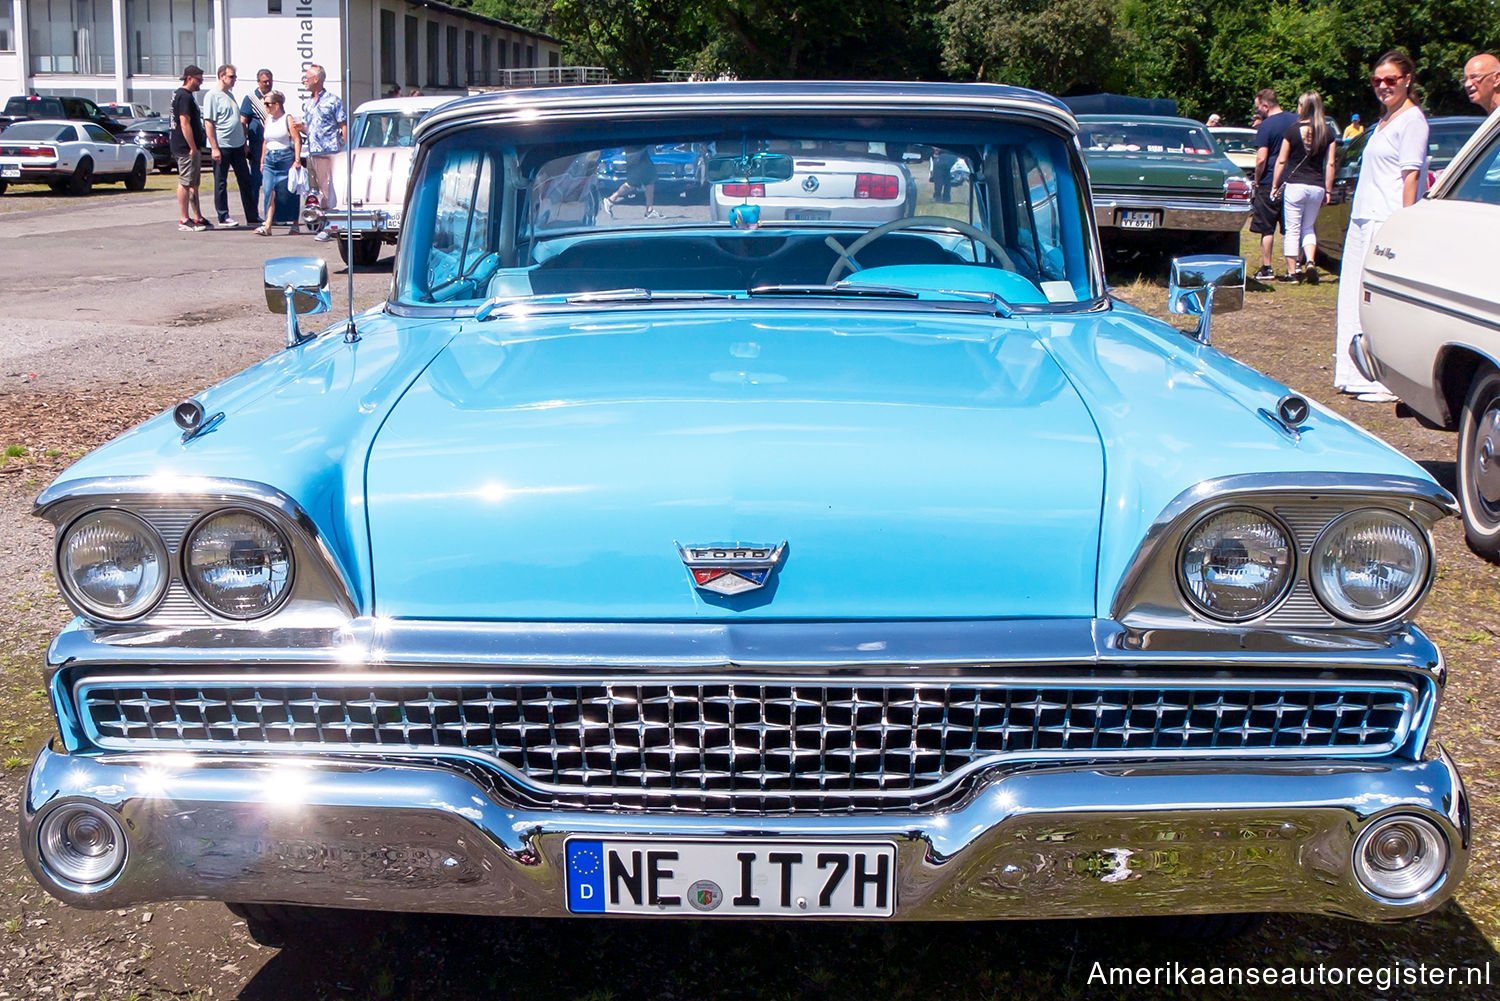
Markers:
186,142
324,130
1392,174
226,138
281,149
1265,211
1304,175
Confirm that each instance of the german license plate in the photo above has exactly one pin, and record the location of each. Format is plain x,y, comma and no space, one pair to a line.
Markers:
808,215
731,878
10,171
1139,220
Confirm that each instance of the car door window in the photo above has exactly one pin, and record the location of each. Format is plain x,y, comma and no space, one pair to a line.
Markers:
98,135
1482,181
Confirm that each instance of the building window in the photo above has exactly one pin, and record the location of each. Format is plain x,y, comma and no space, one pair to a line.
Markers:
166,35
515,54
531,55
273,6
452,55
71,36
432,54
484,61
387,47
554,58
7,30
468,59
413,70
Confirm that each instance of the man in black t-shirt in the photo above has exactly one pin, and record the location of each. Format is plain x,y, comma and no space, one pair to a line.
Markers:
187,140
1265,212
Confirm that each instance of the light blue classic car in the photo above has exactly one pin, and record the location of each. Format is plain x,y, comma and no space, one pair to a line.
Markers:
791,568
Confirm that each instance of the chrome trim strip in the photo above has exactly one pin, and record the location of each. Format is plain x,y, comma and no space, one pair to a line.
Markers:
1457,314
413,838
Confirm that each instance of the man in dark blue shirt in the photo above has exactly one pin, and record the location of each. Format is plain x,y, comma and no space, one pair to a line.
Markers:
1265,214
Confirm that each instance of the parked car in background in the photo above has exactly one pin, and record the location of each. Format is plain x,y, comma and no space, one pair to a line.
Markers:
1431,319
1445,135
1162,184
127,113
154,135
70,156
679,172
382,141
877,567
1237,144
830,180
31,107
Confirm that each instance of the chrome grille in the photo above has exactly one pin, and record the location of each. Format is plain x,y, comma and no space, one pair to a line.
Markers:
747,745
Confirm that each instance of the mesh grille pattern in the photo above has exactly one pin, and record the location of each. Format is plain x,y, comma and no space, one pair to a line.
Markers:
748,745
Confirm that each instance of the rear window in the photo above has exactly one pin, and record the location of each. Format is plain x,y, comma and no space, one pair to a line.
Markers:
1145,137
37,107
37,132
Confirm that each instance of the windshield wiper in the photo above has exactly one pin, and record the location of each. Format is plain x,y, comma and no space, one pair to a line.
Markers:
490,306
840,290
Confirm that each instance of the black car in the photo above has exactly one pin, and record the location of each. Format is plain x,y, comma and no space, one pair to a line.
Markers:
154,135
28,107
1444,138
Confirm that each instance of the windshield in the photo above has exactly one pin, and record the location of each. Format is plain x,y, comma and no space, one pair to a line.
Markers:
386,128
1445,139
1145,137
1236,142
932,207
38,132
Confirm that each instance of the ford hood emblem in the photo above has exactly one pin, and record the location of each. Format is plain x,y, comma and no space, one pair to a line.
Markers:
731,569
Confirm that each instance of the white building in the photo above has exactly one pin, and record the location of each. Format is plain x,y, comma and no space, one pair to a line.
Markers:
135,50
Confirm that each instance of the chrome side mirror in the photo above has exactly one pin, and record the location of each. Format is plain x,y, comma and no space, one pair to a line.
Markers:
297,286
1204,283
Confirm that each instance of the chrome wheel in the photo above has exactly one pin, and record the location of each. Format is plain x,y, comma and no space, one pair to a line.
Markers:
1479,463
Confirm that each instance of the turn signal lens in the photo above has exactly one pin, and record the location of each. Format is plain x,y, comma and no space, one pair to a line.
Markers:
238,564
1236,564
1370,565
112,564
1400,858
81,843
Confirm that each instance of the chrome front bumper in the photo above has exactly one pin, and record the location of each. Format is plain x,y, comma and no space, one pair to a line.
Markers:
1050,841
1194,215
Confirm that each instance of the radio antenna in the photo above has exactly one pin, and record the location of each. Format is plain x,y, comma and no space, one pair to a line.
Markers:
351,334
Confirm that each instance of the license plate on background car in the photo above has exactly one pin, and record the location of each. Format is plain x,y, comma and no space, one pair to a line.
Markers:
731,878
1139,220
809,215
10,171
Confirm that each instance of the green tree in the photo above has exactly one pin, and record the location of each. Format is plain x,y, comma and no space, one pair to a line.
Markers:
822,39
1060,46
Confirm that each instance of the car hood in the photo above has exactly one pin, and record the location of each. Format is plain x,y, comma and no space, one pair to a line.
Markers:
1123,170
914,466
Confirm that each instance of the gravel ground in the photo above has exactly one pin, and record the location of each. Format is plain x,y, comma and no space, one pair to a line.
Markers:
119,316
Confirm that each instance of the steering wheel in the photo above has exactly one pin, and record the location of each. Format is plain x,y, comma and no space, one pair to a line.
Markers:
846,254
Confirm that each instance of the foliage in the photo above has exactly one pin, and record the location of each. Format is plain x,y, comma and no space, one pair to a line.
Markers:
1210,55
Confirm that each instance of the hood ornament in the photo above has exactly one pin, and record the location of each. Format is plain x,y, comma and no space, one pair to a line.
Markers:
731,569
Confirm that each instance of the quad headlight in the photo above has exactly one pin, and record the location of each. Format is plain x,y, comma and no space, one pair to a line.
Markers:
112,564
237,563
1370,565
1236,564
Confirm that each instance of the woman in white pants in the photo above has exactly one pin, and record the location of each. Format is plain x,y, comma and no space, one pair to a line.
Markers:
1392,174
1304,172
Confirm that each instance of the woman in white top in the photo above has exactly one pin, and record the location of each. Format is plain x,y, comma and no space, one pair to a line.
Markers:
282,147
1392,174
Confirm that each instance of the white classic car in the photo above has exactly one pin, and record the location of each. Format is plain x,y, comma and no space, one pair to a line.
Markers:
381,144
831,181
70,156
1431,320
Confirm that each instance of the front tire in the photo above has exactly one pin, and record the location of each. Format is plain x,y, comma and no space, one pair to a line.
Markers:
1479,463
82,181
136,179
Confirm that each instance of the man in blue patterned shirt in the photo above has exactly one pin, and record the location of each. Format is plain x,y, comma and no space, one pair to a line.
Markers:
325,129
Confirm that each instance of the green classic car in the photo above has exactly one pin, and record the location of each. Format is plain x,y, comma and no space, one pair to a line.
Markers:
1162,184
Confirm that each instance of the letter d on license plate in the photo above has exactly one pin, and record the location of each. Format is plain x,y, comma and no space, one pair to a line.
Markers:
731,878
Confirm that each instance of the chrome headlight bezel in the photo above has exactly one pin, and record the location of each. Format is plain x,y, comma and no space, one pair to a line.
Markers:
91,608
194,585
1288,570
1421,577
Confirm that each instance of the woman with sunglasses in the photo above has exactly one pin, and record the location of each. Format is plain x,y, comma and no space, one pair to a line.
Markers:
281,147
1392,174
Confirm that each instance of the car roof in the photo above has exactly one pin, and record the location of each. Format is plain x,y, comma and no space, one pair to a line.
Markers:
420,103
748,97
1138,120
69,122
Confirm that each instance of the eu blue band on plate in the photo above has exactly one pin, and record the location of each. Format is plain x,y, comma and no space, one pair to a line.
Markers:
585,877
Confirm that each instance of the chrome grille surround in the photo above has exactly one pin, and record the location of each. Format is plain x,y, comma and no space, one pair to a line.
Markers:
746,745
